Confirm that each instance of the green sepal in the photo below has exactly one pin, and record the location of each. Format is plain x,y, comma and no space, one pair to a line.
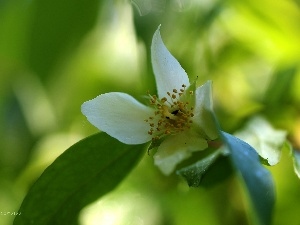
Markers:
204,172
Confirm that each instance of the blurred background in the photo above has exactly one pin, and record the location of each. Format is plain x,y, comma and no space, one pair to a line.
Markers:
54,55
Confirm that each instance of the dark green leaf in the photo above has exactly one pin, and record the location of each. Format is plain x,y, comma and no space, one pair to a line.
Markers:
257,179
218,172
204,170
83,173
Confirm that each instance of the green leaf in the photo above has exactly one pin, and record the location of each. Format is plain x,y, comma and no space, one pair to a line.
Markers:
57,27
86,171
296,159
257,179
207,171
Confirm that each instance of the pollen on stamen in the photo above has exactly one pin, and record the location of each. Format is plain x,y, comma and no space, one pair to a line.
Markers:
163,100
172,115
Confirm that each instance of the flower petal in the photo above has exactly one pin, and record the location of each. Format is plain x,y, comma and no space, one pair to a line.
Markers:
168,72
204,117
176,148
120,116
267,141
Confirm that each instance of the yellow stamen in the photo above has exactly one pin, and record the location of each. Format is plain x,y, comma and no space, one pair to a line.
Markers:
171,116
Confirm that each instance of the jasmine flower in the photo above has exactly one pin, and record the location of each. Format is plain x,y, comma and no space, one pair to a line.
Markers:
179,117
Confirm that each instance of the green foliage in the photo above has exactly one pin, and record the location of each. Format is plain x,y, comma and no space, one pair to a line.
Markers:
207,171
246,162
258,180
83,173
250,53
278,92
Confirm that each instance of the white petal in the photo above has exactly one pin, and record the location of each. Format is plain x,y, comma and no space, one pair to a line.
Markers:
204,111
120,116
264,139
175,149
168,72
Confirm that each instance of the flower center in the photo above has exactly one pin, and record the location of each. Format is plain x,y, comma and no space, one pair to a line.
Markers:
171,116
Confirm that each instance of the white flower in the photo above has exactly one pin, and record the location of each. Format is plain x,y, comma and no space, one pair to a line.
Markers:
267,141
179,117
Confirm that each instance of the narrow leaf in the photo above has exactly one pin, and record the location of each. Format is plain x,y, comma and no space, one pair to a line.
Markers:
257,179
296,158
83,173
